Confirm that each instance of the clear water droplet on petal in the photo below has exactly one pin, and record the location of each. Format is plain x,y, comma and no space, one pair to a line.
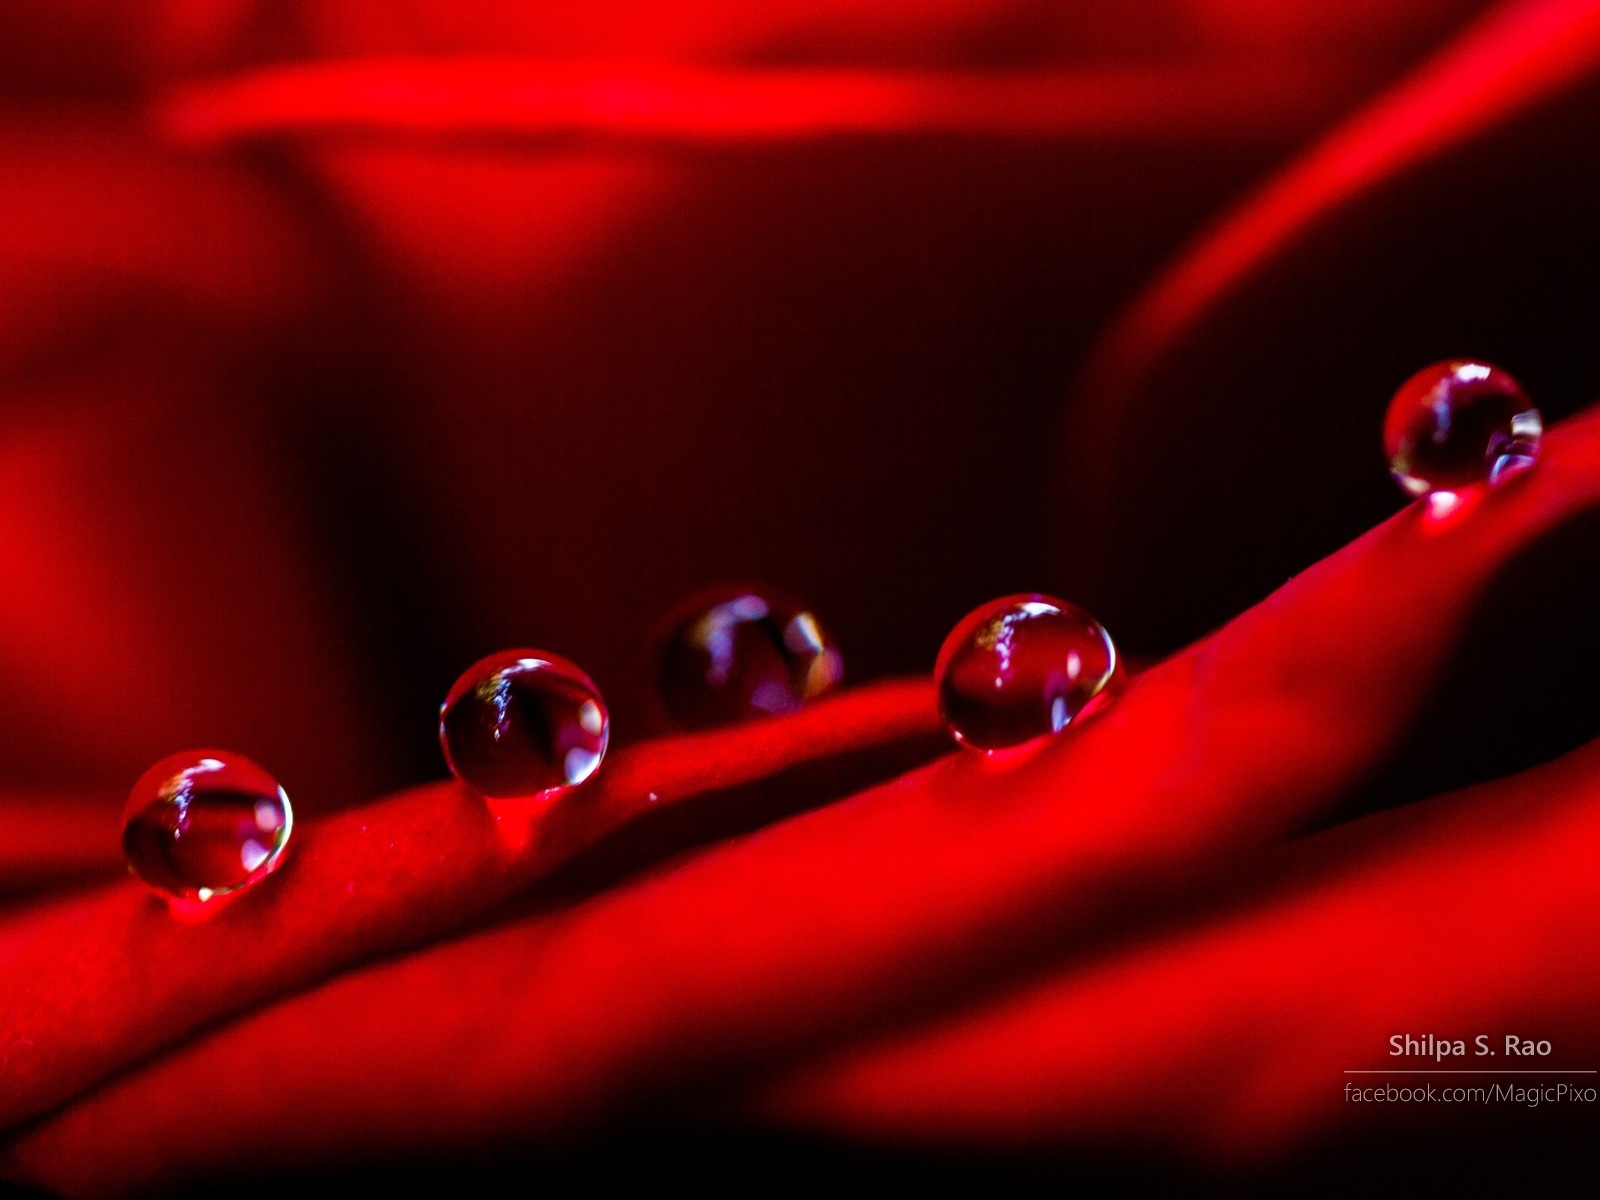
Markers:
1457,423
1021,667
731,654
205,823
523,723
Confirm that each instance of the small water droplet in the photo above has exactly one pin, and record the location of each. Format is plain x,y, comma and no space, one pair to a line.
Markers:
733,653
205,823
523,723
1458,423
1020,667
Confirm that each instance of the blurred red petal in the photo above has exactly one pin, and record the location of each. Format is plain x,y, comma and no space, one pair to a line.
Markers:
487,97
1522,52
107,238
46,839
158,595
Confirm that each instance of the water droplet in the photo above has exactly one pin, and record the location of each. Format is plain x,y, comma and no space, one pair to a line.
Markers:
205,823
523,723
733,653
1458,423
1020,667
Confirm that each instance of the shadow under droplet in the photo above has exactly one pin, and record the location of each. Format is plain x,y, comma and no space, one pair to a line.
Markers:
1522,685
661,834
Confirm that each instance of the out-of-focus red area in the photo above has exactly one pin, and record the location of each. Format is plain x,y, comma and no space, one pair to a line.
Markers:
1440,220
298,427
1514,60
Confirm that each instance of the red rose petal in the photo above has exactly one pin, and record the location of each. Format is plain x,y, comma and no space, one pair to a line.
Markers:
838,918
1509,60
49,839
1425,919
1465,915
92,987
538,98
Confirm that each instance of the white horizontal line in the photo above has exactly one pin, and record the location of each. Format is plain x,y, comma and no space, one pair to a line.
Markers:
1444,1071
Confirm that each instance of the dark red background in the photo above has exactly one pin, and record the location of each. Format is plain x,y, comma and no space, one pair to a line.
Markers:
325,418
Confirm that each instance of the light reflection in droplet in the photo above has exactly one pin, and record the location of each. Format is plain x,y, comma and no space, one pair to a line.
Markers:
733,653
523,723
204,824
1021,667
1458,423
